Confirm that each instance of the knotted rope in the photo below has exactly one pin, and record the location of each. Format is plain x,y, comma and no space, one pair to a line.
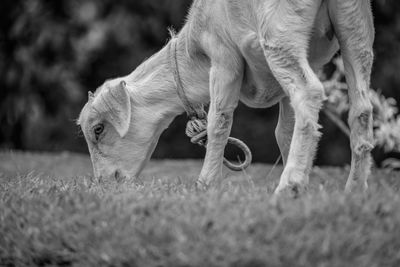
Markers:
196,128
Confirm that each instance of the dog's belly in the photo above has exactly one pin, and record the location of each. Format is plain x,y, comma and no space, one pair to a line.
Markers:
260,89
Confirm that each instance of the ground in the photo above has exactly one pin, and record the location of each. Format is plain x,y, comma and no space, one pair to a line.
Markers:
53,212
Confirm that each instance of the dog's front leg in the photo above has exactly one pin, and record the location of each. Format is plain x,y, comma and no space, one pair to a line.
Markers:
225,84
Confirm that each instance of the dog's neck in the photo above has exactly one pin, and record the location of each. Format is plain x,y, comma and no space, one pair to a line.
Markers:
153,81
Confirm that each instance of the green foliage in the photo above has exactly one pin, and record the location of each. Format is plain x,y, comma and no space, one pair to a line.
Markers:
164,221
53,52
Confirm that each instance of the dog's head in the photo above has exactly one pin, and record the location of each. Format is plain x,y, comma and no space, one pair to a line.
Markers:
121,132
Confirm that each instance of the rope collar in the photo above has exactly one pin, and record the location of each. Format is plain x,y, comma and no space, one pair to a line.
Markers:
191,110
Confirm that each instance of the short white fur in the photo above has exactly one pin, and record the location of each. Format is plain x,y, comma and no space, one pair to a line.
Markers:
261,52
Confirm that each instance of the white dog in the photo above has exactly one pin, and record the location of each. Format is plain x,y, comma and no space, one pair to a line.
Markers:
261,52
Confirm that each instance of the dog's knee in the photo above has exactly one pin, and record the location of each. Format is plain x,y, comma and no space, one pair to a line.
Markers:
223,123
220,124
360,121
361,113
307,103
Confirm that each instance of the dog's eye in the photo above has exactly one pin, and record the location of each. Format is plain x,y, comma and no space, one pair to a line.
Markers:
98,130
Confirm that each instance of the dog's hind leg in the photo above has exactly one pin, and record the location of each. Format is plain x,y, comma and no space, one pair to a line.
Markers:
306,94
353,24
226,75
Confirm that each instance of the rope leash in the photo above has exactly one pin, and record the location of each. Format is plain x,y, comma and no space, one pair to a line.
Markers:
196,128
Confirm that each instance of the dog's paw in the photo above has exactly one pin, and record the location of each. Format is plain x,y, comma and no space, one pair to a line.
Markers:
201,186
353,186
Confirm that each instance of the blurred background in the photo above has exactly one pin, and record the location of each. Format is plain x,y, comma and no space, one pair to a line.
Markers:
53,52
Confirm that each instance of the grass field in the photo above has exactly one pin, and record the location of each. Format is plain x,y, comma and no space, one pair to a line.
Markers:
53,213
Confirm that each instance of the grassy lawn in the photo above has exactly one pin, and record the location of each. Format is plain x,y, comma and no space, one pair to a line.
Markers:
52,212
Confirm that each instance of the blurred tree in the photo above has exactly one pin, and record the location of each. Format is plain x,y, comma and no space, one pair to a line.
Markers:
51,52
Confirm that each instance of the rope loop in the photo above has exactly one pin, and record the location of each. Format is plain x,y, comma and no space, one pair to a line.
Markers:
196,130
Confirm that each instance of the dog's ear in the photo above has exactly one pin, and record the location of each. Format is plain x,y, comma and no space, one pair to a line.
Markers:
114,104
